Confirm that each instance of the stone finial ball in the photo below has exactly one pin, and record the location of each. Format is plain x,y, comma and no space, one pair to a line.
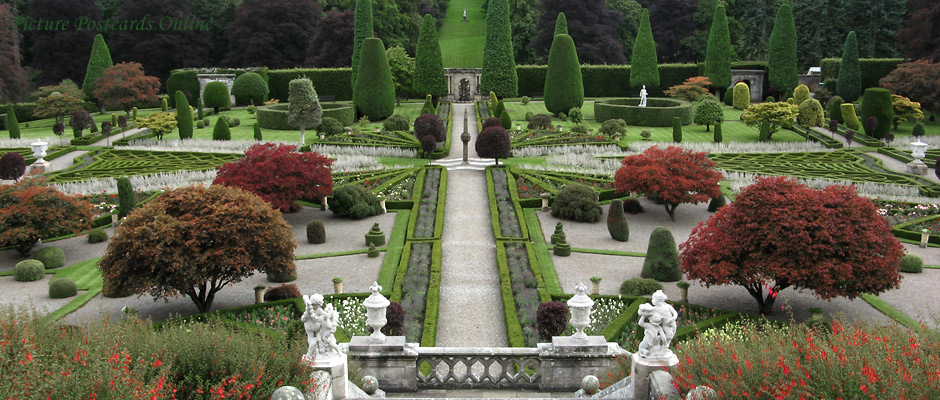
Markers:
590,384
287,393
369,384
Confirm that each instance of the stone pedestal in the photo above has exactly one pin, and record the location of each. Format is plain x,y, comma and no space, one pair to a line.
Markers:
39,168
566,361
917,167
643,367
338,368
393,363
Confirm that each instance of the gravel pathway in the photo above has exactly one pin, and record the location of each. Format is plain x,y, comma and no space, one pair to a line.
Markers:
471,312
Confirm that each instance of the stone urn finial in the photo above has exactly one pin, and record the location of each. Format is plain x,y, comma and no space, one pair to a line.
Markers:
580,305
376,306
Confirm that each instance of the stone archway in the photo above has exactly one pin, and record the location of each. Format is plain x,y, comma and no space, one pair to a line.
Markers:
455,83
754,79
463,91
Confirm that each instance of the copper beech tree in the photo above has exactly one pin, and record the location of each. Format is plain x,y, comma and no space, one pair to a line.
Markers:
673,175
779,233
124,85
30,211
279,175
195,241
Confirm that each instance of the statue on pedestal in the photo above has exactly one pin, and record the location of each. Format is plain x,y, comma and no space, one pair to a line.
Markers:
643,96
320,323
658,321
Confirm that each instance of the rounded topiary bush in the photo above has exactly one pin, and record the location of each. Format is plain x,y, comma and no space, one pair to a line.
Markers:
50,257
540,121
632,206
577,203
834,107
397,122
877,103
249,88
216,95
28,271
742,96
12,166
395,317
430,124
612,126
912,263
62,288
811,113
97,236
354,201
491,121
551,319
285,291
316,233
639,287
662,257
330,126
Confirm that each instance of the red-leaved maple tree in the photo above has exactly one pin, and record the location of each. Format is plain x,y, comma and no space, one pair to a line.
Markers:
673,174
779,233
279,175
124,85
30,211
195,241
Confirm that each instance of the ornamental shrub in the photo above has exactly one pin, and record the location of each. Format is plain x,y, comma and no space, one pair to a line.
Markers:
50,257
564,88
216,96
579,128
662,257
639,287
617,222
632,206
708,112
396,122
716,203
200,124
430,124
763,133
918,129
28,271
126,201
834,107
282,292
62,288
801,94
644,65
428,107
12,166
742,96
316,233
577,202
492,121
505,120
256,128
677,130
354,201
499,109
551,319
12,124
811,113
330,126
184,116
575,115
97,236
30,211
395,317
493,142
540,121
529,115
849,85
849,117
250,89
221,130
912,263
612,126
374,92
729,98
717,136
877,103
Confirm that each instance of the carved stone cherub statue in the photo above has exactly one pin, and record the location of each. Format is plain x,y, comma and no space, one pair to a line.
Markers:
320,323
658,321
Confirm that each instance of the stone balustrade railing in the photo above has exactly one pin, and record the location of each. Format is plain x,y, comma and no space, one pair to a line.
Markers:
463,367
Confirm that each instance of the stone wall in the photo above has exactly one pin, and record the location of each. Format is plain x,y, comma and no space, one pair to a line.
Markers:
227,79
470,77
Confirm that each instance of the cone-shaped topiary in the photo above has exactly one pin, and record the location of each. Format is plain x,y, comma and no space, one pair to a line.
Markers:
97,236
429,67
562,248
877,103
763,133
782,70
561,24
99,61
728,98
559,230
834,107
718,52
577,202
28,271
221,130
849,117
428,107
849,85
912,263
50,257
62,288
373,252
257,131
564,87
505,120
800,94
216,96
374,93
316,233
499,66
662,257
617,222
677,130
375,236
742,96
184,116
551,318
717,136
499,109
362,30
644,66
126,200
12,124
716,203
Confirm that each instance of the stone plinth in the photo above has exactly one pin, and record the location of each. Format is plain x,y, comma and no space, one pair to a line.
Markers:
563,366
917,167
338,368
643,367
363,344
393,363
39,168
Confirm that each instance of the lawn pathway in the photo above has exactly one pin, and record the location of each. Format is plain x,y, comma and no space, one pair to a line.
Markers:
462,42
471,311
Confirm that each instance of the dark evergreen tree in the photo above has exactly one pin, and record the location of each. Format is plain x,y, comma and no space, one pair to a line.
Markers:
184,116
920,37
499,67
564,88
718,54
671,21
781,54
561,25
126,202
877,103
590,23
222,14
631,11
644,65
523,16
271,33
849,86
332,46
814,39
362,29
429,68
98,61
876,22
13,80
59,53
374,93
756,18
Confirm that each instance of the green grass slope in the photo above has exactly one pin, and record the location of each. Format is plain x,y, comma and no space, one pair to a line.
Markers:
462,42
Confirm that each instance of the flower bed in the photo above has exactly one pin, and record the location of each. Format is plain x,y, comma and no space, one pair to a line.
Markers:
505,217
516,275
912,230
898,212
106,203
429,208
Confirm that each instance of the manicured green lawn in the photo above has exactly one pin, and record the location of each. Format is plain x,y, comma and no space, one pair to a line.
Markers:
932,127
43,128
462,42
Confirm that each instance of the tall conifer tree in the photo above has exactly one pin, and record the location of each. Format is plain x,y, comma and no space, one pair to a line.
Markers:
429,67
564,88
781,55
849,86
718,52
644,65
499,67
99,61
362,29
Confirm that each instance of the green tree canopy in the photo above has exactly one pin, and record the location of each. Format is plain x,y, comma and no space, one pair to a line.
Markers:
99,61
849,86
429,67
362,29
499,66
644,67
781,55
564,88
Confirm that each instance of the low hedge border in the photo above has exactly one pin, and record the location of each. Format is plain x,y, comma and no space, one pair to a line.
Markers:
513,326
87,140
494,209
891,312
27,153
274,116
429,336
393,252
448,132
126,141
812,134
660,111
901,231
614,329
336,254
540,250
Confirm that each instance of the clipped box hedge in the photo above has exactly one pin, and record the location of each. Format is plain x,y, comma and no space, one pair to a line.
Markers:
904,230
607,80
334,82
873,69
275,116
659,111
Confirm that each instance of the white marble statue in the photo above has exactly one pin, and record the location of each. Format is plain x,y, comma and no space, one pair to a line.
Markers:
658,321
320,323
643,96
